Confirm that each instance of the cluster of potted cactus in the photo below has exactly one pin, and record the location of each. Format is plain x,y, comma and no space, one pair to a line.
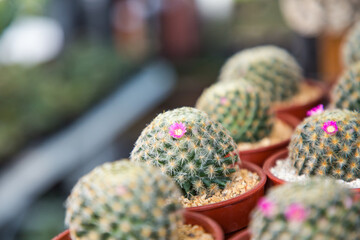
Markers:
187,155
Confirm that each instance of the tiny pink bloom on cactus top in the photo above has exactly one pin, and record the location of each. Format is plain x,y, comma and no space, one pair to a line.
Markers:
223,100
266,206
296,212
315,110
330,127
121,190
177,130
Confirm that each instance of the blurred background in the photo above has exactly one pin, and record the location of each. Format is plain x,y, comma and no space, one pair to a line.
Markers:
80,79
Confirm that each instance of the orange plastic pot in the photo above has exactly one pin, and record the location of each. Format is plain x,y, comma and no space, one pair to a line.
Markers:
233,214
299,110
243,235
259,155
209,225
273,180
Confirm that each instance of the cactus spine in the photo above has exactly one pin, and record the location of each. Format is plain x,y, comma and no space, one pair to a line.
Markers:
328,144
187,145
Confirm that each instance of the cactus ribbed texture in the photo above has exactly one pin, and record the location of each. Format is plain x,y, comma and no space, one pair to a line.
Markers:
316,210
240,108
328,144
187,145
346,93
271,68
351,46
123,200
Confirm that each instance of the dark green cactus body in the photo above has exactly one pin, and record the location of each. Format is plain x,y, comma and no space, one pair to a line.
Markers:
271,68
240,108
313,151
200,157
123,200
316,210
351,47
8,10
346,93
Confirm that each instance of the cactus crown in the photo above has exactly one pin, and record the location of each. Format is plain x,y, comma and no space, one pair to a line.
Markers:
346,93
271,68
188,146
316,209
123,200
328,144
240,108
351,46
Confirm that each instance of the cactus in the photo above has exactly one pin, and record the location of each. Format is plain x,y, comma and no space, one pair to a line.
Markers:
346,93
123,200
351,46
191,148
317,209
328,144
8,9
271,68
240,108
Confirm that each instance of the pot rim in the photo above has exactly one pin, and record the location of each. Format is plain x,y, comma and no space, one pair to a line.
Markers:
285,118
270,162
321,85
241,235
248,165
218,232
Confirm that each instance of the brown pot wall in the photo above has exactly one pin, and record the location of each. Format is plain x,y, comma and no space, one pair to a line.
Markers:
259,155
233,214
243,235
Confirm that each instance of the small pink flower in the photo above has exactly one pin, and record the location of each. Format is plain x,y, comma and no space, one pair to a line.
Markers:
315,110
121,190
296,212
330,127
348,203
177,130
223,100
267,207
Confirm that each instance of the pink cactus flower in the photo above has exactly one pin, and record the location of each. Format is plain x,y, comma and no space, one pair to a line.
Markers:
121,190
223,100
177,130
267,207
296,212
348,203
330,127
315,110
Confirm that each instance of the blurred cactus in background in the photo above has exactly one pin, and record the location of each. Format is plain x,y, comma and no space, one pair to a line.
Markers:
240,107
123,200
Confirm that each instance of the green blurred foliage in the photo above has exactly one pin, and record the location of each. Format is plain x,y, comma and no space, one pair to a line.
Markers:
35,101
8,10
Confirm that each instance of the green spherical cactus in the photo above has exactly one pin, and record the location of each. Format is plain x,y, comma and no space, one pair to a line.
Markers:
187,145
328,144
346,92
351,46
315,210
271,68
123,200
240,107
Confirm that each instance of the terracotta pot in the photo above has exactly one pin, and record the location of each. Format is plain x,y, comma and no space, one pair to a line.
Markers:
273,180
259,155
299,111
209,225
243,235
233,214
